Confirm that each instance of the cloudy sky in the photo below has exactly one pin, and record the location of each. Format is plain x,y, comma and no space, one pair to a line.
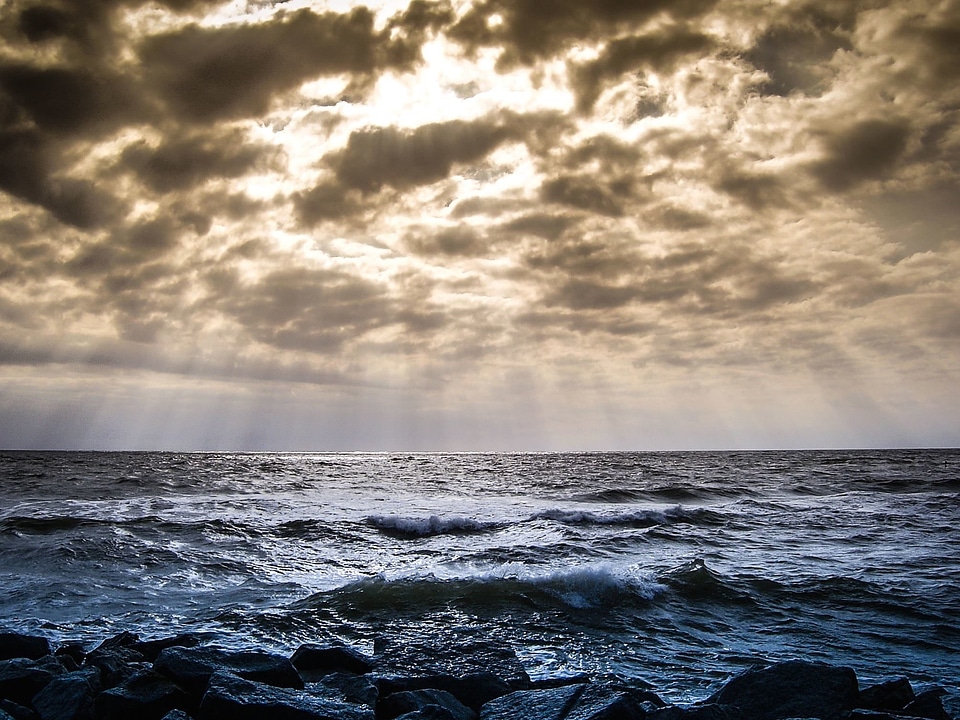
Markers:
479,224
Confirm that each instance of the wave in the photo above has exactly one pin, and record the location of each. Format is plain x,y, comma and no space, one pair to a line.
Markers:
586,587
635,518
428,526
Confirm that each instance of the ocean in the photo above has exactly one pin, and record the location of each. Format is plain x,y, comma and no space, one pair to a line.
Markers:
669,570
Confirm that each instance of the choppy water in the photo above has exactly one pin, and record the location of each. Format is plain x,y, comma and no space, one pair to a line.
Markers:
674,569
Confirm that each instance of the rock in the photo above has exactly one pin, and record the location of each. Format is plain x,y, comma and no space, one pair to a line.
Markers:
151,649
551,704
709,711
176,715
598,702
928,704
71,650
315,661
115,665
146,695
229,697
450,658
791,689
411,701
18,712
191,668
561,681
350,688
125,640
891,696
18,645
430,712
69,696
21,679
4,715
474,691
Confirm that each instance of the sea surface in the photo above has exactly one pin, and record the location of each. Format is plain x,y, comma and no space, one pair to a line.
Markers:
670,570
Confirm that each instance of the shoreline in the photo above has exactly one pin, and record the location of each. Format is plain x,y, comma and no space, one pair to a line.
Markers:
182,678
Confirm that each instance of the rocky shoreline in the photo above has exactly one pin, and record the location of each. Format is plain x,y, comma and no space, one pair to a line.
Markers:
181,678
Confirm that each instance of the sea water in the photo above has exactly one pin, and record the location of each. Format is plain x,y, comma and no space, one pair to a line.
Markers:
669,570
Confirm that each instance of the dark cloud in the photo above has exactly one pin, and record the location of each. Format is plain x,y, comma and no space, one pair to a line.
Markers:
586,193
528,31
180,163
758,191
458,241
327,201
407,158
67,101
207,74
868,150
546,226
629,54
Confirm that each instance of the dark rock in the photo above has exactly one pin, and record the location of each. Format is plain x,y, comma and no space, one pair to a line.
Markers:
4,715
928,704
72,650
552,704
123,641
430,712
450,657
229,697
792,689
115,665
146,695
474,691
18,645
598,702
176,715
891,696
191,668
709,711
350,688
69,696
555,682
861,714
315,661
151,649
21,679
410,701
18,712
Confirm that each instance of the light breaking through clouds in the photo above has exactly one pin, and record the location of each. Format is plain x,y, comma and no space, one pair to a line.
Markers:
487,224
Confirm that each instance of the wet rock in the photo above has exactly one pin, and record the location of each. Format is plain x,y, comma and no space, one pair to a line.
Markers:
598,702
445,657
890,696
430,712
551,704
191,668
792,689
18,645
474,691
18,712
561,681
707,711
928,704
115,666
71,650
349,688
315,661
151,649
229,697
412,701
4,715
146,695
69,696
176,715
21,679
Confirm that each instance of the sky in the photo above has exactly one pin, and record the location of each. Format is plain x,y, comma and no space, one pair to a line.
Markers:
479,224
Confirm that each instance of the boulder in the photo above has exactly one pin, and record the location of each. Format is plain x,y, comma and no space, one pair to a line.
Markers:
115,666
315,661
146,695
890,696
449,657
191,668
792,689
430,712
550,704
401,703
708,711
348,687
18,645
69,696
151,649
21,679
71,650
176,715
474,691
928,704
230,697
598,702
18,712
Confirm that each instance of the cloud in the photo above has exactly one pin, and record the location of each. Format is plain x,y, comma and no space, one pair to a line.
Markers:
867,150
205,74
